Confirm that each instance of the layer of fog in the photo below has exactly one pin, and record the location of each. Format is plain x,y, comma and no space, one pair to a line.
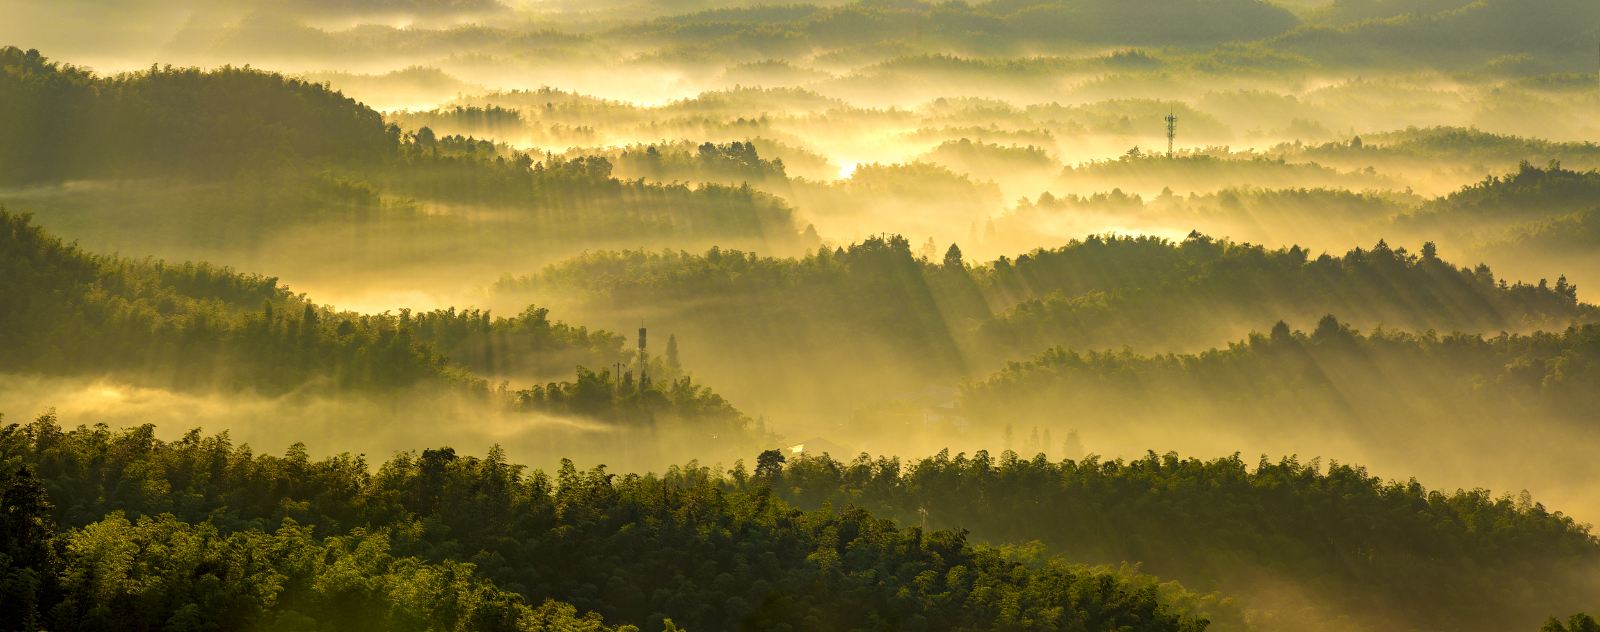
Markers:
375,425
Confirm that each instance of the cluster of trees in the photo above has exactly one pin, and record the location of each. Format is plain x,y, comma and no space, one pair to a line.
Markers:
283,154
735,162
987,159
1576,623
197,326
62,122
835,307
947,316
528,344
1573,235
1112,291
658,398
157,573
490,121
555,197
1530,193
202,533
1458,145
1364,550
1333,369
1312,218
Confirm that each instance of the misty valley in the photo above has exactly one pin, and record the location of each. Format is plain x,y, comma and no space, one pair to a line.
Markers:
811,315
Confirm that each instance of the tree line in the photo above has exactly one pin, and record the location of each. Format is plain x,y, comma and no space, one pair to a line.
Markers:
275,146
217,535
197,327
1358,545
945,316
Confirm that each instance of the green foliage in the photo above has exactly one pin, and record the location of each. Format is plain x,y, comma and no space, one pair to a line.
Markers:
727,162
876,285
685,545
156,573
29,560
1451,377
982,158
1573,235
281,154
1354,541
655,401
577,198
1096,293
196,326
1576,623
1112,291
189,325
1530,193
63,122
465,120
1453,144
1313,217
529,343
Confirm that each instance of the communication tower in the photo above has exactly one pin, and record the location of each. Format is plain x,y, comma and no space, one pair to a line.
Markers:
1172,131
644,362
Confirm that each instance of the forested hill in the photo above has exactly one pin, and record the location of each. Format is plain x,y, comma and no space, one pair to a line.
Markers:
1113,291
1530,193
1519,408
227,160
1445,144
62,122
1426,378
948,318
209,535
1301,546
198,327
188,325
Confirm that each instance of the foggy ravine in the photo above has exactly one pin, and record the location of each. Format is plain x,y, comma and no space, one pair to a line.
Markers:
1353,240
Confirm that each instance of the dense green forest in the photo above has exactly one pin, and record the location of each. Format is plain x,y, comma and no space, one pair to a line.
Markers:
239,539
296,162
1285,372
1316,217
876,305
1415,146
1571,236
196,327
735,162
187,324
441,539
1224,524
1529,193
64,122
1576,623
1526,399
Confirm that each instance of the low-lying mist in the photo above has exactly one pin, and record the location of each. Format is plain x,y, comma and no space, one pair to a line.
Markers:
376,425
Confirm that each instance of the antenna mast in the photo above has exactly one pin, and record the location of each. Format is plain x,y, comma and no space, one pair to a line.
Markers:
1172,131
644,362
